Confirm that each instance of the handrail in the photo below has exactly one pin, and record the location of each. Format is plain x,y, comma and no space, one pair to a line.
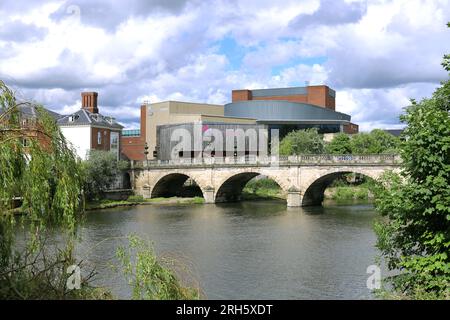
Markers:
306,159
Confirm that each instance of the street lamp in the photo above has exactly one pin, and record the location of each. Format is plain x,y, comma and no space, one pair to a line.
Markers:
148,176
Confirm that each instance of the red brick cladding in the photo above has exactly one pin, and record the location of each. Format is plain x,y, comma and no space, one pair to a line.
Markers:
105,141
89,101
351,128
133,147
316,95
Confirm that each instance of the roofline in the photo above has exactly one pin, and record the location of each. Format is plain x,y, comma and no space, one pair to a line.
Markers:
285,101
168,101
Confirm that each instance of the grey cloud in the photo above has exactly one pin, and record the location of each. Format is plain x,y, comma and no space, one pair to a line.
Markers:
109,14
383,105
417,59
17,31
331,12
18,6
68,74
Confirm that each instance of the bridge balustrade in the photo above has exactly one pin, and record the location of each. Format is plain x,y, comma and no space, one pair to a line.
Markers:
306,159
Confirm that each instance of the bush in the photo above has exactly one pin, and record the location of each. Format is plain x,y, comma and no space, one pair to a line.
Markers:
149,278
307,141
135,198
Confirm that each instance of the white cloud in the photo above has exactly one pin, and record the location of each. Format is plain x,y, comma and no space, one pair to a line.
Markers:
377,56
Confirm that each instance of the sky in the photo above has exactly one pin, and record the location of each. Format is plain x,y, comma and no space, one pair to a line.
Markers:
376,54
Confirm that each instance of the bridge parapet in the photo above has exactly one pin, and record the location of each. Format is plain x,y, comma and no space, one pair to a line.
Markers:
308,159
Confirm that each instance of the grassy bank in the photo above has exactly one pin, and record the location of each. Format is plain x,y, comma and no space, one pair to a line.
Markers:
350,192
262,189
139,200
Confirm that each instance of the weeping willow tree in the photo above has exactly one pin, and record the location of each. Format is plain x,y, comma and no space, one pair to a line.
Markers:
38,169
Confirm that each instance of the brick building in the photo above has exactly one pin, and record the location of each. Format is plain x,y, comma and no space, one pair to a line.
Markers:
87,129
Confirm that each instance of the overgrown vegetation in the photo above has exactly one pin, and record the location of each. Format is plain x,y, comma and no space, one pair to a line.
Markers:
311,142
262,188
414,236
150,278
38,168
46,175
307,141
101,170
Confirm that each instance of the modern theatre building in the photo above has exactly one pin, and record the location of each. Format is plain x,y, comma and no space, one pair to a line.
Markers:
285,109
289,109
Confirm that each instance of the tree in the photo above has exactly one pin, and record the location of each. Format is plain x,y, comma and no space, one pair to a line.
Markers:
302,142
45,174
414,236
384,142
101,170
340,144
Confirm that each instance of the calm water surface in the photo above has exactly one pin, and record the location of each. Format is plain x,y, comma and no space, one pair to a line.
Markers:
247,250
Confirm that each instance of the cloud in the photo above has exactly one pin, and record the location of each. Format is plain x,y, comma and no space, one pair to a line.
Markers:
110,14
375,54
389,47
330,13
18,31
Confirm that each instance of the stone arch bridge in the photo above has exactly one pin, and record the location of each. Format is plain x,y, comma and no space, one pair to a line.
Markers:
303,178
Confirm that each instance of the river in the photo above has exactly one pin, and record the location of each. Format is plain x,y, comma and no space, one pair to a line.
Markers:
246,250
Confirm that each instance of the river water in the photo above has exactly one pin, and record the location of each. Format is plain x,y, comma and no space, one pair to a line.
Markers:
246,250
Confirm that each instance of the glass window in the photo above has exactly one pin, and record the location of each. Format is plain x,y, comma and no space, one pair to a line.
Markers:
99,137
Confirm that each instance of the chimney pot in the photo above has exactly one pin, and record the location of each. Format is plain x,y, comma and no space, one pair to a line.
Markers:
89,101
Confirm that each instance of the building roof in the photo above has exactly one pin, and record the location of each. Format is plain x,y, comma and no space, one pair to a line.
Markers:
394,132
280,110
30,111
84,117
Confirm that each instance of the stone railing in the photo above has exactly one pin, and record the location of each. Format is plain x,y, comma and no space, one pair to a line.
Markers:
313,159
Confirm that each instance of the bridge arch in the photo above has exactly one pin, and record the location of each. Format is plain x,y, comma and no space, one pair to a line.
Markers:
314,188
230,188
173,184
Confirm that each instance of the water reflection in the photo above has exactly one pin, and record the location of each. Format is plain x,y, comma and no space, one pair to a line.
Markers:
246,250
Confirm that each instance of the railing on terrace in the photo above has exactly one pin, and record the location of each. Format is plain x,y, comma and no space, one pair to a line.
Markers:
274,160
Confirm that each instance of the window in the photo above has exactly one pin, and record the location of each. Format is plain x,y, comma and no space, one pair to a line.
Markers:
99,137
114,141
25,142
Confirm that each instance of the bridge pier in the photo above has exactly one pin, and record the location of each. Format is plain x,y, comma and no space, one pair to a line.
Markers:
294,199
209,196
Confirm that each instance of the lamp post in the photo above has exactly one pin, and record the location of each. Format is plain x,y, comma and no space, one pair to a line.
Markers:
148,176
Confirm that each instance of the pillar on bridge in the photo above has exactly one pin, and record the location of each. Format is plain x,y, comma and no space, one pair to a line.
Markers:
208,195
147,191
294,197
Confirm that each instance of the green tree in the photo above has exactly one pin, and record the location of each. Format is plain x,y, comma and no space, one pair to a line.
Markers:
101,170
46,175
384,142
340,144
363,143
414,236
302,142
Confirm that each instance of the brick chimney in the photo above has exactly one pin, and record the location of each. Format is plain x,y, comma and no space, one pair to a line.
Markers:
89,101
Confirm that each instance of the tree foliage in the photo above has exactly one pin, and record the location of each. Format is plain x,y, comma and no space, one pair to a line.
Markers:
414,236
375,142
340,144
148,277
307,141
44,173
100,172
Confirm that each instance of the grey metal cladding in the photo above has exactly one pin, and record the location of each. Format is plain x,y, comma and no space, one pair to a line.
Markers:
281,110
279,92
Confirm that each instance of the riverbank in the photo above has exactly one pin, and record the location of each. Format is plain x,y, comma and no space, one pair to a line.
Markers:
268,190
136,200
